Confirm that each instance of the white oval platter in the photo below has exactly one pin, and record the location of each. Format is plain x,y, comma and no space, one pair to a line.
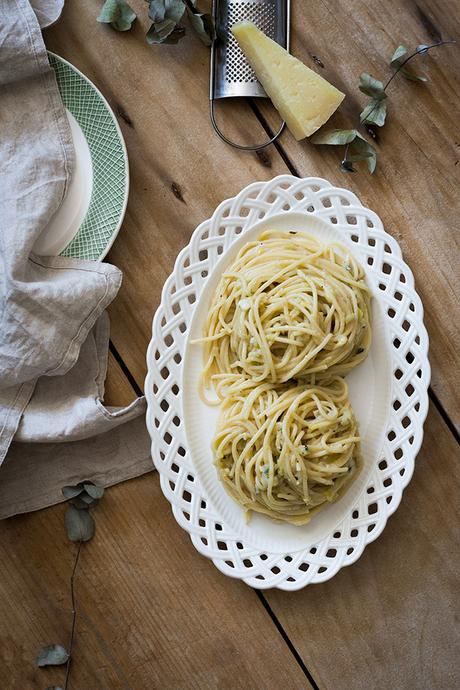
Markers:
388,391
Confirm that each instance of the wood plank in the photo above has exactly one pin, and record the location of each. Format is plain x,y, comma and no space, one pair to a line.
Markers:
391,619
153,613
118,390
180,170
414,189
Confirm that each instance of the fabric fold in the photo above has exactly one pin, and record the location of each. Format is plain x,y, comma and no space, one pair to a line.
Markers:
70,407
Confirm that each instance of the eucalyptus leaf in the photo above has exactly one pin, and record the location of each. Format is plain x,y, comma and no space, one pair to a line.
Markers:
54,687
174,10
93,490
118,14
411,76
334,137
361,146
79,524
175,36
398,58
85,501
72,490
371,86
52,655
166,31
374,112
359,156
203,24
398,55
157,10
422,49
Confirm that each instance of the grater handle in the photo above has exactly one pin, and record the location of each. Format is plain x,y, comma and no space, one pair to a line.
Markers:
241,147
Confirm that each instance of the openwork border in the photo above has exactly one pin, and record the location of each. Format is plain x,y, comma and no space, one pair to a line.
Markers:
409,399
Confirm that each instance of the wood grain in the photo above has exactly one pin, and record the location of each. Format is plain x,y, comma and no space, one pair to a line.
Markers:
153,613
415,187
118,390
391,619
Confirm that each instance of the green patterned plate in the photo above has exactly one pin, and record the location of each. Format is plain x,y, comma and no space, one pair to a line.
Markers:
86,224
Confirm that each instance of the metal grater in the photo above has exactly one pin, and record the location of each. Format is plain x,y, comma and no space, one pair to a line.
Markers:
231,75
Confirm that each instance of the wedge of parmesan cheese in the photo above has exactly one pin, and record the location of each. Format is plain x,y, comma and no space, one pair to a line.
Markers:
303,98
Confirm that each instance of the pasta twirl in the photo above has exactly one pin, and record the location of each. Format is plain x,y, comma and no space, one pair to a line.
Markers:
287,451
288,307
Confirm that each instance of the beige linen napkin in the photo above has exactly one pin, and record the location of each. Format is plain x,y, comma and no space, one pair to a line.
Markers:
51,339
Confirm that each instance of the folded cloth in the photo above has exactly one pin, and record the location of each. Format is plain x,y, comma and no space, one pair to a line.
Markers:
47,11
70,407
49,305
66,435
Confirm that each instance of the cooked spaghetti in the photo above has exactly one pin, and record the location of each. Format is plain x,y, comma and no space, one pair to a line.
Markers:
289,306
286,451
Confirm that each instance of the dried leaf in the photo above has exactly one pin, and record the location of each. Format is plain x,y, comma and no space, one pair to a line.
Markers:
166,31
175,10
175,36
157,10
362,147
360,156
334,137
72,490
374,112
411,76
203,24
84,501
52,655
79,524
398,58
93,490
371,86
118,14
398,55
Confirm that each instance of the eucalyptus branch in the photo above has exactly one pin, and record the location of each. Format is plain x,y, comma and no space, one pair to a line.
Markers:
166,17
74,614
80,527
419,51
357,148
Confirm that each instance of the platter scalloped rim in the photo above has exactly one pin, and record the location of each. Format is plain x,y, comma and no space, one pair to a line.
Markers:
410,370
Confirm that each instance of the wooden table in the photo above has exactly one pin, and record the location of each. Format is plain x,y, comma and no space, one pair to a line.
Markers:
152,612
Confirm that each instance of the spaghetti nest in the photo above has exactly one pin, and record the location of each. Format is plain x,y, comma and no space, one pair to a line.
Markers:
288,307
286,451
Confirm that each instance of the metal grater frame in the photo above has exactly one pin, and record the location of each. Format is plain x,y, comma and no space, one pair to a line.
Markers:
231,75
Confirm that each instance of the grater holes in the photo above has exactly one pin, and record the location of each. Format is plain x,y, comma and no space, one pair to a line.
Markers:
263,16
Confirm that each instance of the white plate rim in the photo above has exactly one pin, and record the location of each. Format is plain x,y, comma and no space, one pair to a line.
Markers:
115,232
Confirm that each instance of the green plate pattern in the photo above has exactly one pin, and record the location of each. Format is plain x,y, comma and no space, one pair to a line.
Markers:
109,159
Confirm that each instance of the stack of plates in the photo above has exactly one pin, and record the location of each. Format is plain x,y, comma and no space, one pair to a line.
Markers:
87,222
